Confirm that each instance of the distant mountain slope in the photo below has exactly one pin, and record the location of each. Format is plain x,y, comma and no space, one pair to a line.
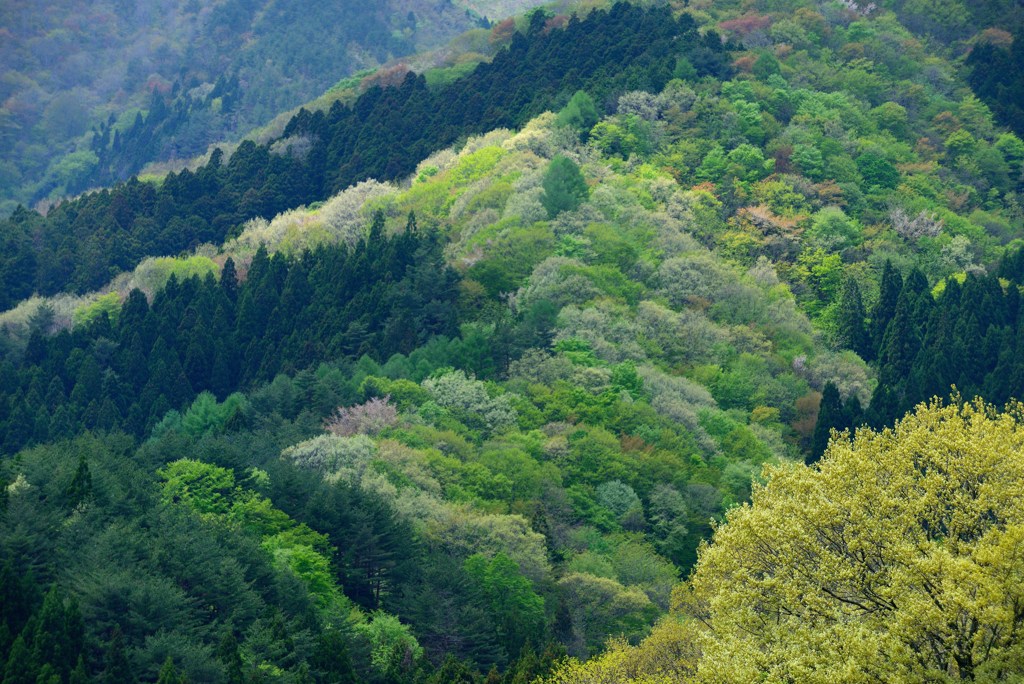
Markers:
83,243
197,71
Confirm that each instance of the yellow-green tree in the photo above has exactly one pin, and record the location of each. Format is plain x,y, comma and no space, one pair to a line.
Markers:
899,558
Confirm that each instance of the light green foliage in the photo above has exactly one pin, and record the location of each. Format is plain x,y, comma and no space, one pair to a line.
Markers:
108,305
599,608
960,143
438,78
334,455
461,530
892,117
696,279
394,651
833,230
822,272
471,402
206,415
72,169
343,218
212,492
201,486
516,607
404,393
580,113
526,477
809,161
313,568
559,280
152,274
637,564
1013,150
623,137
714,166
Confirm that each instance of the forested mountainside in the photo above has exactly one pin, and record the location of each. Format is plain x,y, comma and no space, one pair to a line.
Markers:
513,374
93,90
382,135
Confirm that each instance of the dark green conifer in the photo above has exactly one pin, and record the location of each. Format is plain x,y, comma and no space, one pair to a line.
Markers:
80,487
169,674
117,669
20,668
564,186
79,675
851,331
830,416
229,280
889,293
227,653
331,658
901,342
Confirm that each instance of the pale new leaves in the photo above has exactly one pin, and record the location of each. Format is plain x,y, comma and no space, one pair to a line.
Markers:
902,558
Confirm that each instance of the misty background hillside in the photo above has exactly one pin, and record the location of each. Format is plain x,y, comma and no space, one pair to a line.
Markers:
92,90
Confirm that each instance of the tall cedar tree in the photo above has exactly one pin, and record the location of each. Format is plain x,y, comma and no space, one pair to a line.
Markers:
851,330
564,186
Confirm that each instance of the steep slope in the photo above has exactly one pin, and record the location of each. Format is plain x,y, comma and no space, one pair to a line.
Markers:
546,358
382,135
557,455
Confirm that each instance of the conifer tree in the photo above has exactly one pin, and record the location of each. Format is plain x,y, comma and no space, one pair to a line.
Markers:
580,113
169,674
564,186
889,293
79,675
229,280
80,487
830,416
851,331
901,342
20,668
117,668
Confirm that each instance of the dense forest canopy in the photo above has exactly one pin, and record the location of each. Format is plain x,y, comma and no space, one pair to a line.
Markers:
531,367
81,244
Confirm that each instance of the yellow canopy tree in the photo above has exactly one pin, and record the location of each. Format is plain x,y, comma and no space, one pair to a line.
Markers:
899,558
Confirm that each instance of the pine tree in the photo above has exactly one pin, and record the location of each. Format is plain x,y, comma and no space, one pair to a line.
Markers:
564,186
169,674
901,342
331,659
79,675
889,293
851,331
20,668
118,670
830,416
80,487
48,639
229,280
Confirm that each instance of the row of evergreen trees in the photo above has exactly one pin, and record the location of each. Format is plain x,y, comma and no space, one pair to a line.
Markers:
81,244
387,295
970,336
996,75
